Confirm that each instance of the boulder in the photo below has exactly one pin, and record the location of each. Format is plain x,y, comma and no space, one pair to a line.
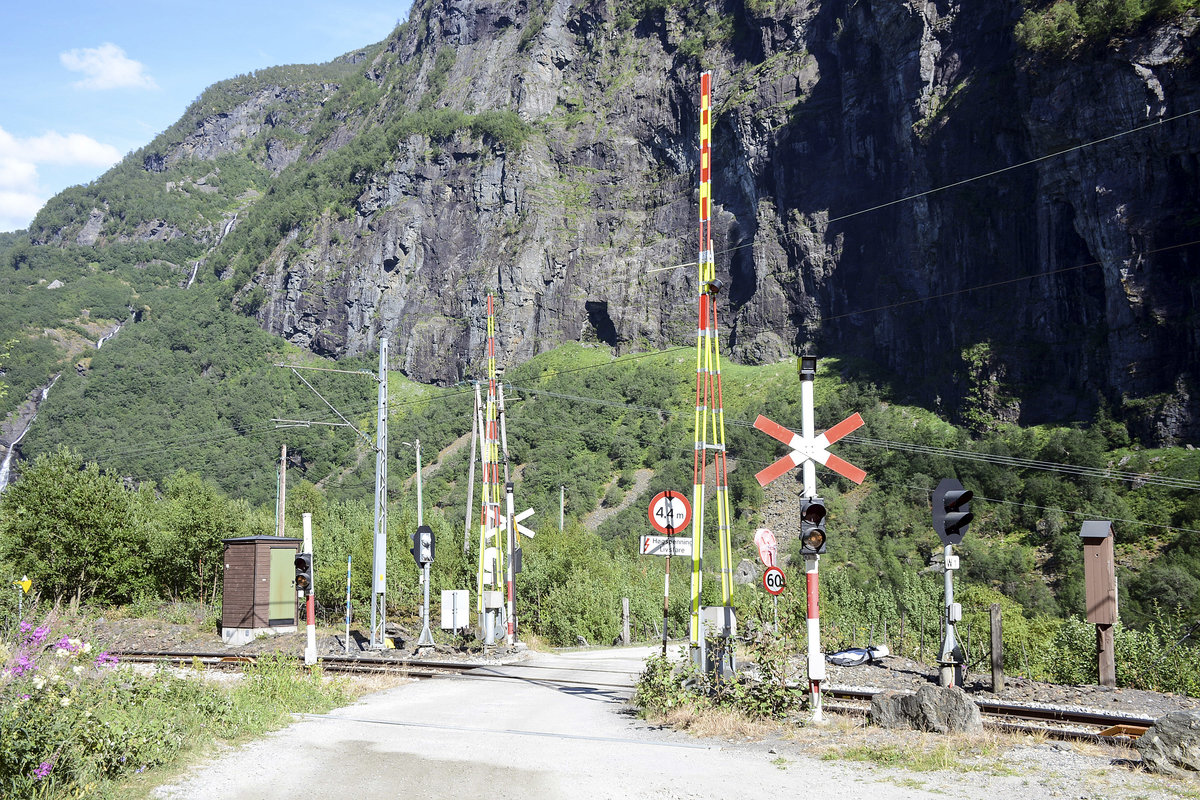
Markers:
1172,745
933,708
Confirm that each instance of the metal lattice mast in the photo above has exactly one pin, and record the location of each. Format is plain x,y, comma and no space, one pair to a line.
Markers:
709,414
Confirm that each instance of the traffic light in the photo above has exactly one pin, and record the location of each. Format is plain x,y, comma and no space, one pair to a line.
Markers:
951,511
812,526
422,549
304,573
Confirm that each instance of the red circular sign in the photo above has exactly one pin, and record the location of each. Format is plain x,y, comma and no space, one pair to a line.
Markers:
773,580
670,512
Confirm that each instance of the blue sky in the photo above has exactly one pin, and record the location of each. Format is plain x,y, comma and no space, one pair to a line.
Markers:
84,83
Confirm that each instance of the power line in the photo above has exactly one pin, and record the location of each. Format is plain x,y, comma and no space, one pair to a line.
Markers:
884,444
1090,515
1006,282
1031,161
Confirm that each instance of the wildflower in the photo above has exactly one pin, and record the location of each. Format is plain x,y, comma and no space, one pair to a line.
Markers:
26,627
106,659
87,648
64,702
39,634
43,770
39,682
78,670
24,664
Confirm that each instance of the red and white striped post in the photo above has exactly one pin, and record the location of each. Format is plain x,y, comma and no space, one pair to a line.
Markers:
310,646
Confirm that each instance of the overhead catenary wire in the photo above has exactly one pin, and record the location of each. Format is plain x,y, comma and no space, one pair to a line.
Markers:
992,173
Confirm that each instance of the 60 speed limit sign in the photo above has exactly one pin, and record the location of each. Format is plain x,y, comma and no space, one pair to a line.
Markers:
670,512
773,580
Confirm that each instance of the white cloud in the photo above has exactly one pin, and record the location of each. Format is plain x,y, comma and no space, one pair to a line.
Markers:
21,192
106,67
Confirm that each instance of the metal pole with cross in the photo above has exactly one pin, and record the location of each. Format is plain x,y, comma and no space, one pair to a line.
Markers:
808,449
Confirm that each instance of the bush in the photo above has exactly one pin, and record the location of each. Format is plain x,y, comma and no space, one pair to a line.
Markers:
73,721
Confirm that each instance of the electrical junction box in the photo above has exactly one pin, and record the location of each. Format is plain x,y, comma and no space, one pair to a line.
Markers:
956,612
493,600
456,609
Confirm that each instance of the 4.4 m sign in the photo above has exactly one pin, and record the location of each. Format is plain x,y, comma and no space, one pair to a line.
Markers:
670,512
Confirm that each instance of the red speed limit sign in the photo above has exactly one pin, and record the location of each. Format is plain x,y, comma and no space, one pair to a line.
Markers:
773,580
670,512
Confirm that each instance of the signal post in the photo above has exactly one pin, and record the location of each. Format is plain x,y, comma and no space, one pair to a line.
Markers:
807,449
951,516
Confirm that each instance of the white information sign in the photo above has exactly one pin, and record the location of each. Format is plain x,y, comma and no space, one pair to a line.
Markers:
666,545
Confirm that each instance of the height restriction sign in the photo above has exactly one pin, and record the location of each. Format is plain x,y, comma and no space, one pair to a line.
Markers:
670,512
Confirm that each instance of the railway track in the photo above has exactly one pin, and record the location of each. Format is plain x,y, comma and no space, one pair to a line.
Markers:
1052,721
1043,720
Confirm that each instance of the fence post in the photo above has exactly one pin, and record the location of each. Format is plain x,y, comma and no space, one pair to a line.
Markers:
997,651
900,650
625,621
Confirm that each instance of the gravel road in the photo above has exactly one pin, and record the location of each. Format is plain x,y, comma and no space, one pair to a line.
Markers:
572,735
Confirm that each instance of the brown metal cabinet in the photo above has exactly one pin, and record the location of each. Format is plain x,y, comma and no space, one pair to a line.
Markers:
259,597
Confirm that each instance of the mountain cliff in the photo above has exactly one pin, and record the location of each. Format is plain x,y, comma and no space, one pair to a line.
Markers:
546,151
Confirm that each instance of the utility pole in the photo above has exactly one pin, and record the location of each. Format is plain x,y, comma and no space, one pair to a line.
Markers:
379,568
475,427
281,493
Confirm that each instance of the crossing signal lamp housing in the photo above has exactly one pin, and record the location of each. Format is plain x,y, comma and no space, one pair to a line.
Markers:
422,549
812,526
304,573
951,511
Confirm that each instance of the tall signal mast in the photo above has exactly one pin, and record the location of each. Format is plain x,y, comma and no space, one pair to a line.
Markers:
491,552
710,414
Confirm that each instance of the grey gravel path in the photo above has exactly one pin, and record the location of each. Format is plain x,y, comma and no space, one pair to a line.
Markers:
533,738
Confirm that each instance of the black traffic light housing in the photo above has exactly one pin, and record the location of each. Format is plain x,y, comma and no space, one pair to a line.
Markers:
304,573
422,549
812,526
951,511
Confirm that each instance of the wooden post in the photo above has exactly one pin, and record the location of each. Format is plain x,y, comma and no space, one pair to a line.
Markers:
625,621
997,651
1105,656
1100,591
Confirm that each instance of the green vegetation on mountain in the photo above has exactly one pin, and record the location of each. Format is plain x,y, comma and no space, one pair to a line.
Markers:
1057,27
192,387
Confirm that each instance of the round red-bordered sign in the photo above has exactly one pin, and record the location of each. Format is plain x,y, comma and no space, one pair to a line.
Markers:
773,580
670,512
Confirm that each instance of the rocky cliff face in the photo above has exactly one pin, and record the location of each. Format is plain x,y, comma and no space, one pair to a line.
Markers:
1030,294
